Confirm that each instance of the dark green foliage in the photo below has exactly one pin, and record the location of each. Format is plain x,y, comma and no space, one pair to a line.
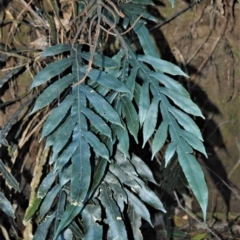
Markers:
96,180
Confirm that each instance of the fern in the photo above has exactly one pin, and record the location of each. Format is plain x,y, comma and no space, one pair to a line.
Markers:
106,98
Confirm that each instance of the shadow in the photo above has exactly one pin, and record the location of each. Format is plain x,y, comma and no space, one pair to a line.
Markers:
212,140
209,128
3,4
154,10
187,1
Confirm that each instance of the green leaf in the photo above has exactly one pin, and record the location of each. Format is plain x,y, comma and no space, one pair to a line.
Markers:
98,147
119,193
102,90
70,213
56,49
131,116
147,195
107,80
178,234
144,38
164,104
57,115
63,133
124,163
46,184
62,197
42,230
170,83
172,2
131,81
117,58
123,138
66,234
186,147
137,91
144,102
123,176
189,164
162,65
186,122
53,91
150,121
195,177
200,236
114,218
99,172
48,200
76,230
139,207
135,221
160,137
97,122
126,21
142,169
91,214
81,172
6,206
66,175
130,9
9,177
50,141
64,157
193,141
78,105
101,61
52,70
81,167
171,149
109,144
181,101
32,208
101,105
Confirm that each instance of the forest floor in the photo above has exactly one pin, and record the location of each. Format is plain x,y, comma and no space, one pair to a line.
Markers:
205,42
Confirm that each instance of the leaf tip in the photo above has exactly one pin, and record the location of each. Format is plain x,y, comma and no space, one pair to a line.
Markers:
33,111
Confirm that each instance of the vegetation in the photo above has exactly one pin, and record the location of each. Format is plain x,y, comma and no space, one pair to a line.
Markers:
99,87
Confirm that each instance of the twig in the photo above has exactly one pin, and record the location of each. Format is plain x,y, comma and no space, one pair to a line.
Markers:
120,14
7,103
36,16
227,185
100,18
219,125
26,136
93,48
129,29
82,24
197,51
193,216
212,51
174,16
117,33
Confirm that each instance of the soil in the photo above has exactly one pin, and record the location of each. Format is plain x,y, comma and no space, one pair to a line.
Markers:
205,42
